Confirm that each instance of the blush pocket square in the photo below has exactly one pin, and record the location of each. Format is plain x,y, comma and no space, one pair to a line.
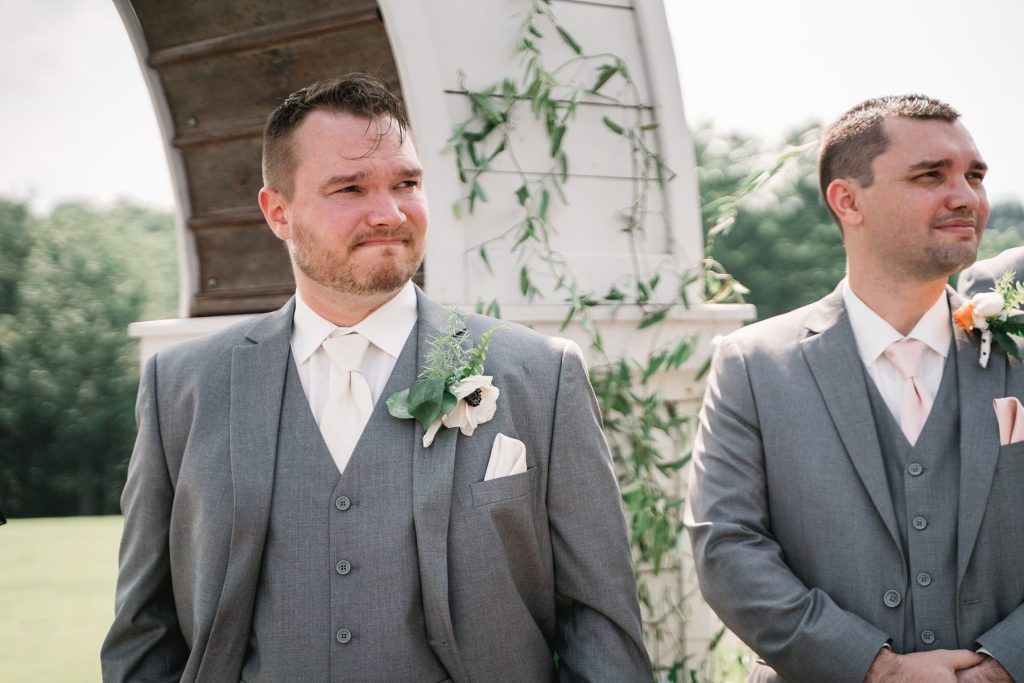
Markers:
1010,414
508,457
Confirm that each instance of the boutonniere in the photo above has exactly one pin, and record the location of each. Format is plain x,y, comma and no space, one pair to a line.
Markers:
452,389
996,315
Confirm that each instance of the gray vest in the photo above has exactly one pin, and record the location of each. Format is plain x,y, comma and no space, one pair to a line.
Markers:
924,481
339,593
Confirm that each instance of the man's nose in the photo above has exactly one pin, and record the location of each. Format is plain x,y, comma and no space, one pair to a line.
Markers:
386,211
964,194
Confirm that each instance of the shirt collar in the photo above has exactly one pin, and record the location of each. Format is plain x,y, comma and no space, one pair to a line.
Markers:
873,334
387,328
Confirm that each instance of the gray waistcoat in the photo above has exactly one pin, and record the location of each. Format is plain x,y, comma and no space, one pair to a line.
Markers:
339,593
924,482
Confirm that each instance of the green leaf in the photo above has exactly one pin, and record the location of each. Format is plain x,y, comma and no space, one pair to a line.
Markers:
556,139
614,127
1006,341
398,405
522,194
487,106
653,319
524,281
604,74
425,399
545,201
569,40
487,261
448,402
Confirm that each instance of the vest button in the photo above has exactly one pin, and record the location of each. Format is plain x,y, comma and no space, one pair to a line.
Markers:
915,469
892,599
343,503
927,637
924,579
343,567
920,522
343,635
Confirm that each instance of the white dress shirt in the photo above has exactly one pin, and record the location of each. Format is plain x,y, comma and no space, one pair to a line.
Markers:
874,335
387,328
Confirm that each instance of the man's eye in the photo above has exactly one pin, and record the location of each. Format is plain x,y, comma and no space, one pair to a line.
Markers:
409,183
976,177
348,189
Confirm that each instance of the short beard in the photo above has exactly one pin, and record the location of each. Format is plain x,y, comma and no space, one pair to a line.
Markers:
381,280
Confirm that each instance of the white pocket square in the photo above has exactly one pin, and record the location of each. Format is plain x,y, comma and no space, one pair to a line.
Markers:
508,457
1010,414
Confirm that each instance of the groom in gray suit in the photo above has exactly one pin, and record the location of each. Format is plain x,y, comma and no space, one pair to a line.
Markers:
853,512
269,537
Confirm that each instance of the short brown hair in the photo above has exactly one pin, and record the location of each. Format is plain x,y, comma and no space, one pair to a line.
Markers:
359,94
850,145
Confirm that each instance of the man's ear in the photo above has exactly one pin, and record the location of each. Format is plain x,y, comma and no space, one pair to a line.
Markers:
843,197
274,206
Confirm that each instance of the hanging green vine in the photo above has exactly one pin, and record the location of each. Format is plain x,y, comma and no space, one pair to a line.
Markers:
644,429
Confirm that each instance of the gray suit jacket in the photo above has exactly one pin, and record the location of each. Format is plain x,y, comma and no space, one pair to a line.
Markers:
982,276
790,515
512,569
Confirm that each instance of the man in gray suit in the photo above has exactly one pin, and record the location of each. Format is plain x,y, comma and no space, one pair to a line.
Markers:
853,517
266,541
982,276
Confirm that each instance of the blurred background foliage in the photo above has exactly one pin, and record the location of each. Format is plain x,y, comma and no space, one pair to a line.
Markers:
71,282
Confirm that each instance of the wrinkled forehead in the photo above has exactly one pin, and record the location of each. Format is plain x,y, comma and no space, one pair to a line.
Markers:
912,140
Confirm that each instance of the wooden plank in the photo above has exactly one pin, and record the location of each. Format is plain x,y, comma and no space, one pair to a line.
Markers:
167,24
267,36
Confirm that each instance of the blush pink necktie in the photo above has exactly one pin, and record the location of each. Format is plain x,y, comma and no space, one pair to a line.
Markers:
906,355
349,402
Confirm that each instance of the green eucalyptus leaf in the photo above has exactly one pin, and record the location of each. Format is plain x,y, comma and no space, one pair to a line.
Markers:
448,402
398,405
425,397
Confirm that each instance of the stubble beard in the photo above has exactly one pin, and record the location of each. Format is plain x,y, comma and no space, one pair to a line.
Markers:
346,277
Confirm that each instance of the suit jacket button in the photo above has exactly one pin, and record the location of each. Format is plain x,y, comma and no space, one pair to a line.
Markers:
924,579
343,567
343,635
915,469
343,503
892,599
920,522
927,637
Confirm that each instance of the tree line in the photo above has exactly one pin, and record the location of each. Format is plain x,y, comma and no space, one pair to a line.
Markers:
73,280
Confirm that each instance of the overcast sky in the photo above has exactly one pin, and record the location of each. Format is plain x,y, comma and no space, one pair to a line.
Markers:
76,121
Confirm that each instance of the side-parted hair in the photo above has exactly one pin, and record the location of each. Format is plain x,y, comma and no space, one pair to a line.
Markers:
359,94
849,146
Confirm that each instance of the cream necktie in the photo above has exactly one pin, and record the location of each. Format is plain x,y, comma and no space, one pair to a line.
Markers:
906,355
349,402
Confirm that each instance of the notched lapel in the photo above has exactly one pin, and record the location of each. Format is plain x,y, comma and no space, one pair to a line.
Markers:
257,388
433,469
831,352
979,436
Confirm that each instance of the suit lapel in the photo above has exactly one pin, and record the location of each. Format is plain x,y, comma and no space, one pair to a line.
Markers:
979,433
831,352
433,469
257,387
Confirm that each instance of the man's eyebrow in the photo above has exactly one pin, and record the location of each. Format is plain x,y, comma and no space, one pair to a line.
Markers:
928,165
344,179
358,176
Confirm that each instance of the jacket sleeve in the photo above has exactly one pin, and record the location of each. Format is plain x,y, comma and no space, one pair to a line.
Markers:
145,642
597,608
741,569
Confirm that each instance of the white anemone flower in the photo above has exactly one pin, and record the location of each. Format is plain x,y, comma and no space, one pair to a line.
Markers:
477,403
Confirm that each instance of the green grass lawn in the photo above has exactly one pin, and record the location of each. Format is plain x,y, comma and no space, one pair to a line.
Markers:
56,597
